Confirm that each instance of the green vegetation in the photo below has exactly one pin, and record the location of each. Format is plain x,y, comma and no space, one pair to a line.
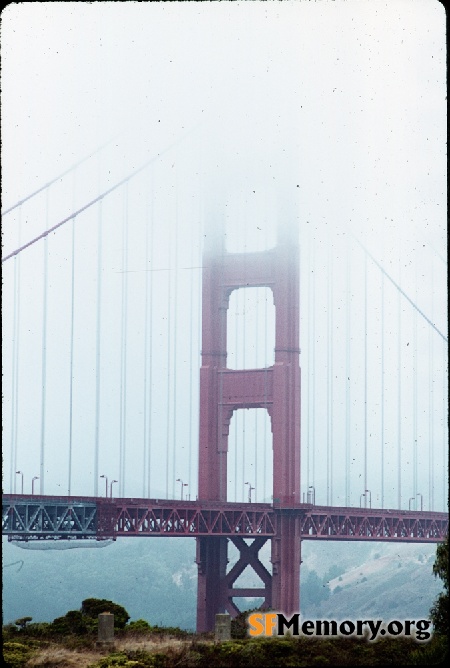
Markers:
439,612
71,641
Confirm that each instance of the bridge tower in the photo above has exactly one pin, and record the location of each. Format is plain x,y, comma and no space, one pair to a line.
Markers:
222,391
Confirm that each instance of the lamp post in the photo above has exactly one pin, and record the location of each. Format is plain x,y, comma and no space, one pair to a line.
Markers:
312,494
370,497
110,487
409,502
20,473
182,484
360,499
249,491
421,500
106,484
36,477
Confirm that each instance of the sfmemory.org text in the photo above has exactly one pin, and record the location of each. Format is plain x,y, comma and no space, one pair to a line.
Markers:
275,623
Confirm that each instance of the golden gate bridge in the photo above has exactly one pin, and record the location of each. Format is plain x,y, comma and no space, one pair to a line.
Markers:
154,338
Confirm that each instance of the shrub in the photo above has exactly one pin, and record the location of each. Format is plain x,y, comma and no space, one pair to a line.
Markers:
92,607
139,625
72,622
15,654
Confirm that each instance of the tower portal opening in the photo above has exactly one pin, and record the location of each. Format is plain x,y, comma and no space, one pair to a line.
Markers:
250,458
251,328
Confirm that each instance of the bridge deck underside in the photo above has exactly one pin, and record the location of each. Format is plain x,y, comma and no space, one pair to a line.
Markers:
69,518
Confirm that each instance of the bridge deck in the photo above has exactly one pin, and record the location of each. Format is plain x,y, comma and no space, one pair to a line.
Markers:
29,518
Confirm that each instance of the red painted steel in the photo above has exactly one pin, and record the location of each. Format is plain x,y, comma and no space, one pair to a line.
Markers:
59,517
222,391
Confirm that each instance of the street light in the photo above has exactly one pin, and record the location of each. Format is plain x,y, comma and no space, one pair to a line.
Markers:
106,484
409,502
249,491
36,477
312,494
360,499
182,484
110,487
20,473
370,497
421,500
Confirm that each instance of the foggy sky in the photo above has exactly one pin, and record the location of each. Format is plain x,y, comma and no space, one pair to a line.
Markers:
347,100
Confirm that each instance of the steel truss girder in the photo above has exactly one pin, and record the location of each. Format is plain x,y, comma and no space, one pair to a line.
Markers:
370,524
41,520
44,517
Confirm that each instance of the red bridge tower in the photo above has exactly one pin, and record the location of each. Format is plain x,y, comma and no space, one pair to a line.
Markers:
223,391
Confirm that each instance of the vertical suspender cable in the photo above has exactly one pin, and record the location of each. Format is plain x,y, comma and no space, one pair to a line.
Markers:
148,339
237,302
331,341
431,407
98,347
265,398
399,401
72,320
15,364
44,351
365,379
169,369
415,362
123,347
193,264
310,400
175,341
256,411
222,340
313,355
444,426
347,381
244,344
382,390
329,374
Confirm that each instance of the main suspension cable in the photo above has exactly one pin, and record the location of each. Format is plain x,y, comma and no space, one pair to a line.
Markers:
96,199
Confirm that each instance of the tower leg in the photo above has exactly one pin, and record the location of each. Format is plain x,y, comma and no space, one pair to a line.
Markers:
286,565
212,563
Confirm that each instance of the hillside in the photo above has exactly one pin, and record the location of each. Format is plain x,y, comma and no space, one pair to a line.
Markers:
156,580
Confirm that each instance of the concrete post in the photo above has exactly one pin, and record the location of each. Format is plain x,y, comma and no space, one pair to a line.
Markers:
223,627
105,630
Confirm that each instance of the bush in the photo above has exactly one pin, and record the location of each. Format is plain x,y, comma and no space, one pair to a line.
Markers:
139,625
15,654
72,623
92,607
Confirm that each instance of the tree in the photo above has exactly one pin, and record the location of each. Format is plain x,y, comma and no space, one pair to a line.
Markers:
92,607
439,612
22,622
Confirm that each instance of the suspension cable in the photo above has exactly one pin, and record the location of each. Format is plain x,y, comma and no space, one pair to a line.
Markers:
123,350
57,178
175,338
15,365
365,382
146,468
72,320
169,368
98,198
328,376
415,362
347,383
97,349
402,292
399,398
382,389
431,409
44,352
